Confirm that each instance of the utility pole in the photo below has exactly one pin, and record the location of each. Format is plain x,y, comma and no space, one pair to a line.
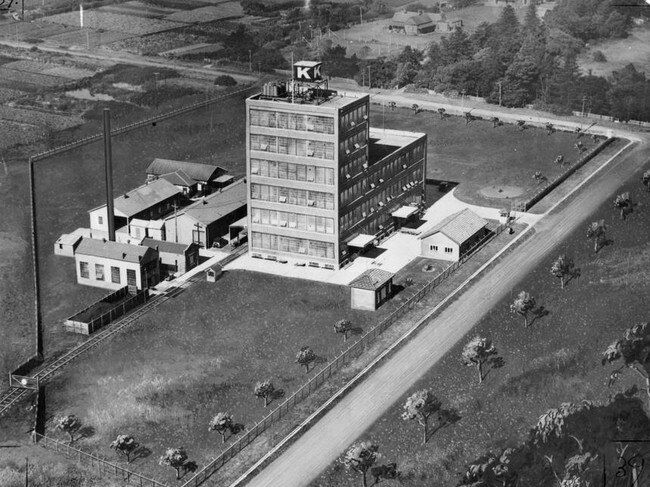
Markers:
369,85
499,83
584,99
175,222
250,60
37,286
360,15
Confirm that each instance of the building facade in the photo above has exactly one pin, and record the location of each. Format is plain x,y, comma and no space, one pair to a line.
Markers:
454,236
318,176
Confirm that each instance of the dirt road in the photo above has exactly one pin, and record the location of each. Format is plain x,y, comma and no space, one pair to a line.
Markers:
303,461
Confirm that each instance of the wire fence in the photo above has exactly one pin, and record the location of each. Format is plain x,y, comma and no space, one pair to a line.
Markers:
326,372
102,466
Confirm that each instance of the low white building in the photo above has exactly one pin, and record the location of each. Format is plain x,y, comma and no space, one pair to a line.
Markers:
371,289
113,265
66,244
451,238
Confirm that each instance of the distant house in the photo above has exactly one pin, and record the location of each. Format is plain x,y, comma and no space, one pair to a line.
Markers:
454,236
174,257
113,265
208,220
150,201
371,289
190,177
412,23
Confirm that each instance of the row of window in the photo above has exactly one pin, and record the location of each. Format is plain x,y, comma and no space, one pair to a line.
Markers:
292,121
315,248
300,197
354,117
353,166
292,147
353,143
298,221
84,271
395,187
382,198
295,172
448,250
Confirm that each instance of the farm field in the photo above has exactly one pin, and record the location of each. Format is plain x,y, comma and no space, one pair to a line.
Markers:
619,53
199,354
556,359
482,158
132,25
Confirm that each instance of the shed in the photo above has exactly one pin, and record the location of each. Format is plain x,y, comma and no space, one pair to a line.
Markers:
454,236
413,23
190,177
66,244
371,289
174,257
213,273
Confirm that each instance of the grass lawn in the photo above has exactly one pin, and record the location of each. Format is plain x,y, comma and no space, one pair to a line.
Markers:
619,53
482,158
199,354
555,360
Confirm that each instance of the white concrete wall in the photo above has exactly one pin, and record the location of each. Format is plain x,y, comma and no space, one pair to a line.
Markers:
441,241
362,299
107,283
95,216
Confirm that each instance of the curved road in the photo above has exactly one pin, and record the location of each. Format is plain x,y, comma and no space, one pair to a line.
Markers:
368,401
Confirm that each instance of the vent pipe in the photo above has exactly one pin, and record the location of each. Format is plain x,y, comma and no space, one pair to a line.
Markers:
108,166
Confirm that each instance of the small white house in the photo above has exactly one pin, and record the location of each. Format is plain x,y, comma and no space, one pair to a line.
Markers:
451,238
113,265
66,244
371,289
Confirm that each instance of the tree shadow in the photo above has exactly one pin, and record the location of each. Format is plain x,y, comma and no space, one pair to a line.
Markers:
320,360
189,467
85,432
276,394
538,313
493,363
140,452
356,331
575,274
446,417
380,472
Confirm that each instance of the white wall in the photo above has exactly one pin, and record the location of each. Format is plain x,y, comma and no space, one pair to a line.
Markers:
440,241
95,216
107,263
362,299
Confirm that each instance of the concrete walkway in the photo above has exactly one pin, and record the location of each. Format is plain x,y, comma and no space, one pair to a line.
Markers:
215,256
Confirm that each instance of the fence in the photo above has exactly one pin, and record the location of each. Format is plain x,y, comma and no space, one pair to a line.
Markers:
327,370
103,467
610,119
565,175
76,325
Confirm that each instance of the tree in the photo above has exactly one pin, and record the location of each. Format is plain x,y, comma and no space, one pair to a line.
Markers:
174,458
343,327
477,352
125,445
415,108
421,405
264,390
553,422
221,423
523,304
623,203
305,357
634,350
225,80
596,231
68,424
562,268
645,179
360,457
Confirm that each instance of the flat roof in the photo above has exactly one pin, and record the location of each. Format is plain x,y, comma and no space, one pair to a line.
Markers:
372,279
219,204
242,222
337,100
164,246
224,178
68,239
361,241
111,250
405,211
394,137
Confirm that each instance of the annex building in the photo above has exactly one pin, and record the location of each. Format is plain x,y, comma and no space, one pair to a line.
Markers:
322,184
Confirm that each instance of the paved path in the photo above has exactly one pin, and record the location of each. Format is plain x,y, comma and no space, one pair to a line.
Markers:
316,449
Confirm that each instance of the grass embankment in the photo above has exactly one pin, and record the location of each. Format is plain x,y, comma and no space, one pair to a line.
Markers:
555,360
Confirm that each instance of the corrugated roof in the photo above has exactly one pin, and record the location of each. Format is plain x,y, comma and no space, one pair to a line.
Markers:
195,170
372,279
458,227
164,246
217,205
111,250
144,197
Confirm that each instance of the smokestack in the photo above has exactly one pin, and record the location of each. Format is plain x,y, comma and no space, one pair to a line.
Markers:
108,166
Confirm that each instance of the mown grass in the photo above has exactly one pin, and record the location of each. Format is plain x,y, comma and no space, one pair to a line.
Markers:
555,360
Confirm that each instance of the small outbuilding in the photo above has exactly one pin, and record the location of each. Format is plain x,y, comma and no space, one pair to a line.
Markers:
66,244
451,238
371,289
174,257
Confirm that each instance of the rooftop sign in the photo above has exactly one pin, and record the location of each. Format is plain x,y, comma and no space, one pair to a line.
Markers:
307,71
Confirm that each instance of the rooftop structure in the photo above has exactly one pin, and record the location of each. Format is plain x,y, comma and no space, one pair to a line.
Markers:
111,250
458,227
218,205
194,170
372,279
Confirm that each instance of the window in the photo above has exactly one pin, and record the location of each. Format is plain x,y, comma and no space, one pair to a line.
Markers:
100,220
99,272
83,270
448,250
115,275
434,248
131,279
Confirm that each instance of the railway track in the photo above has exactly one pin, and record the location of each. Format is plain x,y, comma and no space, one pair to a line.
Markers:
11,396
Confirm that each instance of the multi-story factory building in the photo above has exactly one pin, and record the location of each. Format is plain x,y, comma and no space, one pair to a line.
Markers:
323,184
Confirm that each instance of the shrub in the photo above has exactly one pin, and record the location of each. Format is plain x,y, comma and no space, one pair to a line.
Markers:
599,57
225,80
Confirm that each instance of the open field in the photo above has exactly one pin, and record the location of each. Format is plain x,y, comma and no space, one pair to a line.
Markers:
556,359
202,353
482,158
619,53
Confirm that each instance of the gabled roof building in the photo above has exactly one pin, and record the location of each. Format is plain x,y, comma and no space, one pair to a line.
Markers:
451,238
